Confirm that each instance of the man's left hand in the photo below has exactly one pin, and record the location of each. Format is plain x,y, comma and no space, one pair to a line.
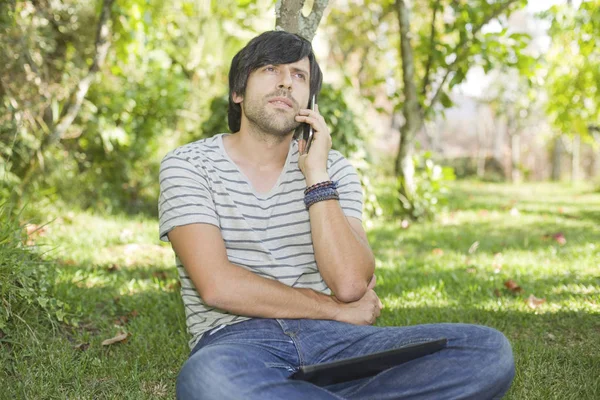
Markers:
314,164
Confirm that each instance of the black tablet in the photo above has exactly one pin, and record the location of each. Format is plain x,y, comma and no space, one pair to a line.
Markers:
365,366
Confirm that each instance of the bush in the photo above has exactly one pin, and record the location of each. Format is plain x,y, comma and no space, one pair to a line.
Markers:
431,194
25,279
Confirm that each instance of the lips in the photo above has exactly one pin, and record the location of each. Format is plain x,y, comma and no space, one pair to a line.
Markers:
281,101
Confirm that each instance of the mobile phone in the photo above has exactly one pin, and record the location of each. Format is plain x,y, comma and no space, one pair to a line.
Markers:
307,131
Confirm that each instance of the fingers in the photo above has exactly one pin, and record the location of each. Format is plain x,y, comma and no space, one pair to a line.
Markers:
372,282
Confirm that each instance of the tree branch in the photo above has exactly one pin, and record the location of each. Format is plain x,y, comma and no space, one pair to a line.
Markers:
461,50
436,5
289,17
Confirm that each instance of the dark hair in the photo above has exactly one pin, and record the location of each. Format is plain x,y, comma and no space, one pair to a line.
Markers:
272,47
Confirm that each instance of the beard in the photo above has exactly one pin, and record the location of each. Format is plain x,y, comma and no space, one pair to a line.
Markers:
270,120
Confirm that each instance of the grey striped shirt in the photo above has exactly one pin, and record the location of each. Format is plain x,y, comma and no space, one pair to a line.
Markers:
268,234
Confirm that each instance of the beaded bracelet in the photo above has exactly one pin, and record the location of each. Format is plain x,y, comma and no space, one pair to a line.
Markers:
326,193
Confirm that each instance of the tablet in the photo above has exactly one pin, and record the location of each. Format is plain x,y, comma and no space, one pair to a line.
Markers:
365,366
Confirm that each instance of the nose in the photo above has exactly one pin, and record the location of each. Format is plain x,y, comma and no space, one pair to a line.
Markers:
286,79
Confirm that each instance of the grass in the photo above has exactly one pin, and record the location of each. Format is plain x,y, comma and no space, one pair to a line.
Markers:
116,277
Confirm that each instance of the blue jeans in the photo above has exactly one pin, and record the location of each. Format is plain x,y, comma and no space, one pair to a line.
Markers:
253,360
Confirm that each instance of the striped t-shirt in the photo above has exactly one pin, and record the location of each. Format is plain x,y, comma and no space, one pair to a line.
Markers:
268,234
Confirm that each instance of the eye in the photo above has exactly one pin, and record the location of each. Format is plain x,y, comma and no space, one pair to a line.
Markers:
269,68
301,76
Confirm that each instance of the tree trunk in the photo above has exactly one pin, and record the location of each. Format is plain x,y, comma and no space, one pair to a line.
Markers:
515,152
411,111
576,160
556,159
289,17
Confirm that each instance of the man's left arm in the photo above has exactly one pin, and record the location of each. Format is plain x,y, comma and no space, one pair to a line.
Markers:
342,251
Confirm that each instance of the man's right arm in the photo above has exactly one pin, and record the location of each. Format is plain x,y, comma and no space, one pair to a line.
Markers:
229,287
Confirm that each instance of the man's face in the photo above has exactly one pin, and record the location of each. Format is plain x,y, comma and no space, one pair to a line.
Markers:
274,95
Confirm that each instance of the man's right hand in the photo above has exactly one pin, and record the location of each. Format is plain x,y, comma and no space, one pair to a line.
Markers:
361,312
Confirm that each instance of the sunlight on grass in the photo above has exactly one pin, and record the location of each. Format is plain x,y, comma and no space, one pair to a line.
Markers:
116,276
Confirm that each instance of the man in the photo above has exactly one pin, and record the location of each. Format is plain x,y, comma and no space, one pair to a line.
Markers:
273,278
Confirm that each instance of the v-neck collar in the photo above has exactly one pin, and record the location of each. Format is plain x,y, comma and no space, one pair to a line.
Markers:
276,186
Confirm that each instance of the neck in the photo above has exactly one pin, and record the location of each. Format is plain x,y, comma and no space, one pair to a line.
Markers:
258,149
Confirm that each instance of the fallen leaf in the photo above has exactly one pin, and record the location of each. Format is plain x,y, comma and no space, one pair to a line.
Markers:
113,268
560,238
437,252
533,302
513,286
550,336
133,313
122,320
160,275
474,247
81,346
497,292
497,263
121,337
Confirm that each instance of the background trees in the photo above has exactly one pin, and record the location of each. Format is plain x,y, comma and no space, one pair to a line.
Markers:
392,68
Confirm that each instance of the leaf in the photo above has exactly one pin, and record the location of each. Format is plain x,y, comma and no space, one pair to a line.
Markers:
161,275
513,286
437,252
121,337
560,238
81,346
474,247
497,293
113,268
533,302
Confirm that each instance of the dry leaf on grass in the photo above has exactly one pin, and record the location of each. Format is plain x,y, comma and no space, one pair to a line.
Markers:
121,337
162,275
513,286
81,346
560,238
497,293
474,247
533,302
437,252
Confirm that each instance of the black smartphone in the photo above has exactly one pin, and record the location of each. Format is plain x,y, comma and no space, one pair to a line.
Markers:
307,129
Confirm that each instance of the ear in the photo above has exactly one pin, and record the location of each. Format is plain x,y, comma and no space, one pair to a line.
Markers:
237,98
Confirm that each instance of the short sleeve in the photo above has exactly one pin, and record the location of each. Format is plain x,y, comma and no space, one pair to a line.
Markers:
349,187
185,197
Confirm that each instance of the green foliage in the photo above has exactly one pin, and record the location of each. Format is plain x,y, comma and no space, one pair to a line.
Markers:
26,281
431,194
574,68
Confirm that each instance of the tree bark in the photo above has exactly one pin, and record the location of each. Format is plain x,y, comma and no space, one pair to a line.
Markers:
576,160
557,151
76,98
289,17
410,109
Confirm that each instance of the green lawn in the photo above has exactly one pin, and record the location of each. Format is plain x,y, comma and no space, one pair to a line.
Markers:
117,277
